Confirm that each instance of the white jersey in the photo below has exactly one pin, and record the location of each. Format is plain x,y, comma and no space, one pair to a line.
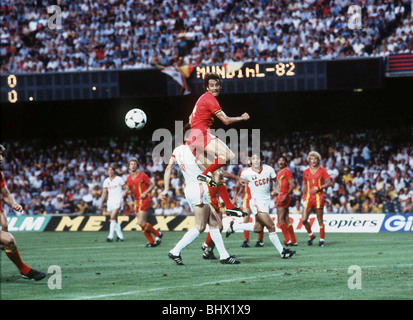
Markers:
114,188
195,192
187,163
259,182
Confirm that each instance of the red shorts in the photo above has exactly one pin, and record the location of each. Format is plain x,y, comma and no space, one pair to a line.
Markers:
143,204
198,140
284,204
315,201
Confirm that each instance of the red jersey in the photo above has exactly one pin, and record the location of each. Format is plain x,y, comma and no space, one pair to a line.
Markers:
2,185
204,110
315,179
138,185
283,176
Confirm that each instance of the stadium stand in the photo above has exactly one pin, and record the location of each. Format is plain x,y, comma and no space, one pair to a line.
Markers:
46,177
114,34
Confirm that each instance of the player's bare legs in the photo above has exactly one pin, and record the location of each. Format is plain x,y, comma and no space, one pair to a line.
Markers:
203,161
147,229
262,219
304,218
287,229
201,213
13,254
223,154
320,213
202,217
281,218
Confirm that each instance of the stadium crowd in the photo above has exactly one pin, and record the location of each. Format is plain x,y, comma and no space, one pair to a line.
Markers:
372,172
123,34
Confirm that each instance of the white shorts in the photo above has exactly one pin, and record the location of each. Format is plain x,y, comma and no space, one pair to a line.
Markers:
112,205
196,193
258,205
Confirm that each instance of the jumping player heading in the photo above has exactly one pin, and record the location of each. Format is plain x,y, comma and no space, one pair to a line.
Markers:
203,144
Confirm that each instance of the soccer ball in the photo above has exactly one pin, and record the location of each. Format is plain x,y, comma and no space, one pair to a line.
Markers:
135,119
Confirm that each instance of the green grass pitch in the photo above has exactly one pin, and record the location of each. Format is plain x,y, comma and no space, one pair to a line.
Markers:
93,269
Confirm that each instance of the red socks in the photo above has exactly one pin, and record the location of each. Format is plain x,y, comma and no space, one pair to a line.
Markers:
290,230
247,235
14,256
322,232
261,236
285,232
308,228
218,163
147,230
223,193
208,242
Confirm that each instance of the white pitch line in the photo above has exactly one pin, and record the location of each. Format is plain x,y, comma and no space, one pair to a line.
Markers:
175,287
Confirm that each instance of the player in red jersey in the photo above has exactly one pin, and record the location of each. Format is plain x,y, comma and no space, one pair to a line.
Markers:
140,185
7,238
315,180
284,186
203,144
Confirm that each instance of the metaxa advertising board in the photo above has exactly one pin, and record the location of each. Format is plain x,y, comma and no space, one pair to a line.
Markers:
340,223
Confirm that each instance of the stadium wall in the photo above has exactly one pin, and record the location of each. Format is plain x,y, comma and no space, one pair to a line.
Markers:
334,223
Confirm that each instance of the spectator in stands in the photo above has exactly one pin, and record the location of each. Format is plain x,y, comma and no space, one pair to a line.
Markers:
130,35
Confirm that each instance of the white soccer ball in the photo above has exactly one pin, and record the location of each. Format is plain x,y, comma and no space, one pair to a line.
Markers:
135,119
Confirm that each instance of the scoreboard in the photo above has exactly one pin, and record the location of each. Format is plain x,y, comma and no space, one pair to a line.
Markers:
250,77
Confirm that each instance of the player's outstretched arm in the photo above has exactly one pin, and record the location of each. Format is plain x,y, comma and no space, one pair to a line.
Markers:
237,190
234,177
230,120
167,177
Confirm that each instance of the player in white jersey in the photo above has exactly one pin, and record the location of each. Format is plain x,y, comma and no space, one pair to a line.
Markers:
196,193
260,177
113,188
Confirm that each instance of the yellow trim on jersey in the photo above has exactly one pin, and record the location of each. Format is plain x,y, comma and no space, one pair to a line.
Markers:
140,193
217,111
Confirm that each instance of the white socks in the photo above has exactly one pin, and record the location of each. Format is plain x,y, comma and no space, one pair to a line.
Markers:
118,230
112,229
219,243
115,226
243,226
250,227
276,242
186,240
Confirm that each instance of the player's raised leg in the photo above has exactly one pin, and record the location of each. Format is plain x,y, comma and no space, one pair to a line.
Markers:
215,224
13,254
222,153
265,220
201,212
